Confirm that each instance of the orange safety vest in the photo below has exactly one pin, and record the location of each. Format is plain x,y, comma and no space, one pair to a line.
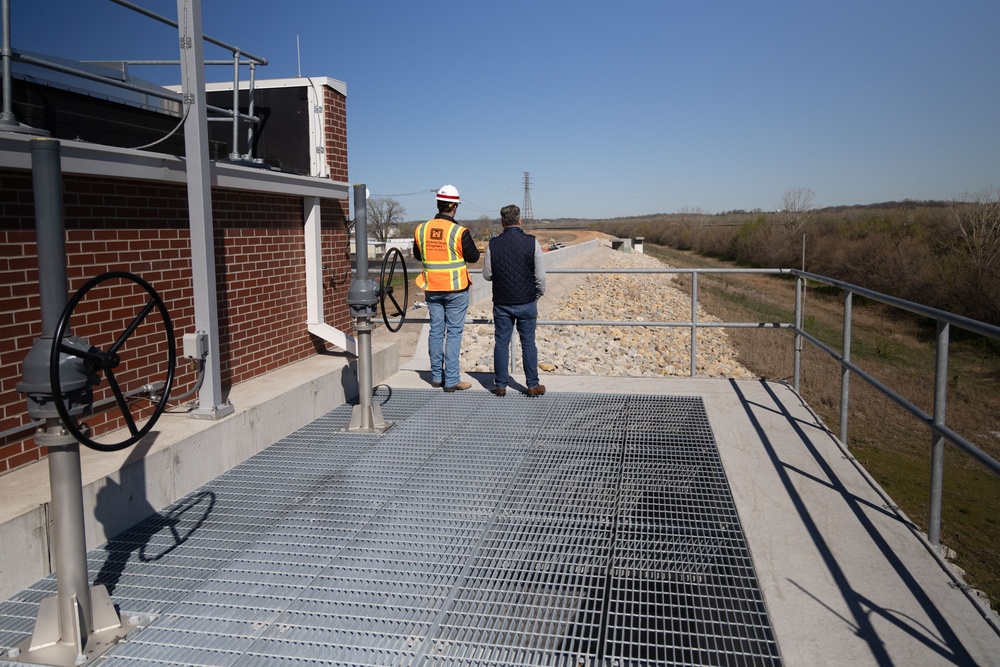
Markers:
440,243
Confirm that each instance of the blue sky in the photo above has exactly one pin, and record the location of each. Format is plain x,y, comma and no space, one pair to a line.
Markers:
621,108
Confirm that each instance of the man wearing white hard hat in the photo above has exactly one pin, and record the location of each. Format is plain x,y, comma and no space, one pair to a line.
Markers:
444,247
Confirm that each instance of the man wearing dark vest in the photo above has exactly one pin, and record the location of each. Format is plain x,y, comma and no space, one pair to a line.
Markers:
444,247
515,265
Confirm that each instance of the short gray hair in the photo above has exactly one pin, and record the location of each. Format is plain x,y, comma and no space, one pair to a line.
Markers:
510,215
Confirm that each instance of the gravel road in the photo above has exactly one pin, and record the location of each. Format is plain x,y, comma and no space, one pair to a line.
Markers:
610,351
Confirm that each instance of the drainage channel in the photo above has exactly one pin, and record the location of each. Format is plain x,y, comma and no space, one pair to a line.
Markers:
573,529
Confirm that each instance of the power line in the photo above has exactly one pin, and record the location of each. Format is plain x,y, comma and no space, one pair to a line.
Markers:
407,194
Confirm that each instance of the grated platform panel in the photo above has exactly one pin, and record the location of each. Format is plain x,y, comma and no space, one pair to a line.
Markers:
573,529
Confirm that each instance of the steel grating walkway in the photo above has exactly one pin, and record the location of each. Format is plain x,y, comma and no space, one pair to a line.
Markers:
572,529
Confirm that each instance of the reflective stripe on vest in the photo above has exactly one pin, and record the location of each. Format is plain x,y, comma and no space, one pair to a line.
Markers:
440,244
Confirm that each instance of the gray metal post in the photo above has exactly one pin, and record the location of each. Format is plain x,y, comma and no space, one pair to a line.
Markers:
937,442
65,478
77,618
250,109
845,372
694,324
8,121
361,299
211,405
50,230
234,150
7,115
797,343
512,355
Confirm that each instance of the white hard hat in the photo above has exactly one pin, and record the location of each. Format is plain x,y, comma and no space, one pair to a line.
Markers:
448,193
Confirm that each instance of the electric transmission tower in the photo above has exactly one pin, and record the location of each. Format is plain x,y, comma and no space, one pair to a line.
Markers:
526,213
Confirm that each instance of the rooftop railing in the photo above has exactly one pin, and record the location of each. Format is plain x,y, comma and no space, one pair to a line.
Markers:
936,423
240,58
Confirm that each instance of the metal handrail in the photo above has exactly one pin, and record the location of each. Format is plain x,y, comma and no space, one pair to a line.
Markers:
173,24
8,54
936,421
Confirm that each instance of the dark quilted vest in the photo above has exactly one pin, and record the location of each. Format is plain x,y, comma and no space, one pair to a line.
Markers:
512,259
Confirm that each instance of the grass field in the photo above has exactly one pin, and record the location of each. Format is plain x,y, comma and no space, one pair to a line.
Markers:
899,350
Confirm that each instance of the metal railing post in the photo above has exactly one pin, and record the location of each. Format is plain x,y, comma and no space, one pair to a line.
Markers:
7,114
8,119
694,323
250,110
845,371
212,403
234,151
797,344
937,441
512,359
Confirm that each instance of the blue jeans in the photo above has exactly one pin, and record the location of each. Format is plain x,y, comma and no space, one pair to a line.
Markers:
444,342
505,318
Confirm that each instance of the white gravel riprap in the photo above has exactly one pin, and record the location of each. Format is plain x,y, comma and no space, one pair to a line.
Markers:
614,351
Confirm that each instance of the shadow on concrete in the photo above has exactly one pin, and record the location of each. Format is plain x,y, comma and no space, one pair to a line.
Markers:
945,642
123,509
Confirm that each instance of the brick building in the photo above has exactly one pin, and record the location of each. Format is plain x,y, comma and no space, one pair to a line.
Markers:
280,228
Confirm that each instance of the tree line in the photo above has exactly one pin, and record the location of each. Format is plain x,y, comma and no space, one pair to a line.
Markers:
940,254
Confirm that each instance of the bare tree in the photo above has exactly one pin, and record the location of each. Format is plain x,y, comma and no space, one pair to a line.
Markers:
977,221
384,213
796,208
483,228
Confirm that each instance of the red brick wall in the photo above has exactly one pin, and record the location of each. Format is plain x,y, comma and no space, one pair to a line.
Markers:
143,228
335,136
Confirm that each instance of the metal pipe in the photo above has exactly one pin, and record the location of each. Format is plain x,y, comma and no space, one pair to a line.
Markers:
694,324
7,114
845,370
50,229
511,352
975,326
364,333
65,478
226,62
626,323
250,110
173,24
234,149
937,439
784,272
362,300
152,92
66,481
797,343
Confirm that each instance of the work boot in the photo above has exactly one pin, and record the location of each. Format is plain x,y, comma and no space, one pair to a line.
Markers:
437,384
460,386
537,390
499,391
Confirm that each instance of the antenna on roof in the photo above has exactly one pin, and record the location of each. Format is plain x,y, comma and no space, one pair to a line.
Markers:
298,54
